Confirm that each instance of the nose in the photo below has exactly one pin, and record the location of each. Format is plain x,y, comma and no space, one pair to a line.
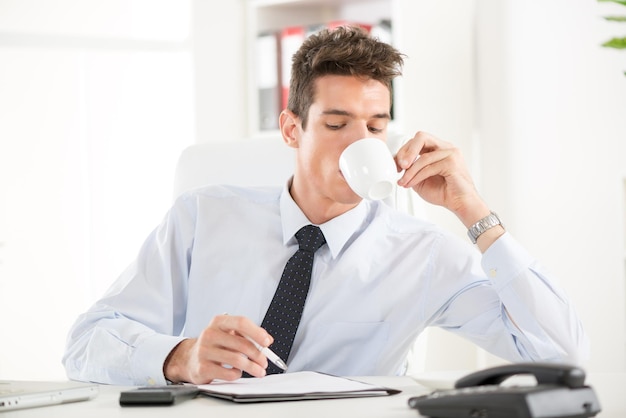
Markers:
363,132
360,132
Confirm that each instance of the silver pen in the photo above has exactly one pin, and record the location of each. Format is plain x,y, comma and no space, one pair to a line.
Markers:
271,356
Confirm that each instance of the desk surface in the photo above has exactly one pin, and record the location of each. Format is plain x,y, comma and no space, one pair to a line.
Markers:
608,386
106,405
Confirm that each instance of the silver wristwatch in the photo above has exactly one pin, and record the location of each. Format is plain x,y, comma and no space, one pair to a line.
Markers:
482,225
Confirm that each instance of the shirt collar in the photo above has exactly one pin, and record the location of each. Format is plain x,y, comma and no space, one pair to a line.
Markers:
337,231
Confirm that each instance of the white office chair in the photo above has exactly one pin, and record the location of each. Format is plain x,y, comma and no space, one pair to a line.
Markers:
254,162
242,162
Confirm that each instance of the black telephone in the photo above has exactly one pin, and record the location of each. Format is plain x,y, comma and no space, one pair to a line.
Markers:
560,392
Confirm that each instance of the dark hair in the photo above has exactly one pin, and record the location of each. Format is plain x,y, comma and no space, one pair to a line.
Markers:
345,50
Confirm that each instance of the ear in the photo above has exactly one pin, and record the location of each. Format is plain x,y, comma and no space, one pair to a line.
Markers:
289,123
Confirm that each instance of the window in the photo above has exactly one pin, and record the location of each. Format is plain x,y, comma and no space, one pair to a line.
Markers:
96,103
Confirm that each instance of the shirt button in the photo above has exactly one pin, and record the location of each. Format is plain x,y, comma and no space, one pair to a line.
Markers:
493,273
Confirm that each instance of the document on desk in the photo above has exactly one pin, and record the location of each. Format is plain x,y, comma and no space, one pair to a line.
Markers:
292,387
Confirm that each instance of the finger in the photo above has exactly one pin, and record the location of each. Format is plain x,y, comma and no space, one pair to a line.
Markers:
421,144
428,165
239,329
409,152
244,326
216,338
242,345
207,371
225,349
241,362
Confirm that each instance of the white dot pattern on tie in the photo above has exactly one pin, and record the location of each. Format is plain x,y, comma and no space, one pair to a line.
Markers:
283,315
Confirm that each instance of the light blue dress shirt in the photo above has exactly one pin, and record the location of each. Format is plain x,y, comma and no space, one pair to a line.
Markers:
381,279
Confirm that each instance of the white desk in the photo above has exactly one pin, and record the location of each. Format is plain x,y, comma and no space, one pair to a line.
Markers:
608,386
106,405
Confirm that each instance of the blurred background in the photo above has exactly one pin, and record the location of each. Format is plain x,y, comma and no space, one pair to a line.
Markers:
98,99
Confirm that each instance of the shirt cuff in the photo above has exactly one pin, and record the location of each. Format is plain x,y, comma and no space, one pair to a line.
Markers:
148,359
504,260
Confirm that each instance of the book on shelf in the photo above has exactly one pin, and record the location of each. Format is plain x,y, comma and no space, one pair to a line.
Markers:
268,80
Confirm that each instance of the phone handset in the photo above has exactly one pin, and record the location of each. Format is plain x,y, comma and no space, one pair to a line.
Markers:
544,373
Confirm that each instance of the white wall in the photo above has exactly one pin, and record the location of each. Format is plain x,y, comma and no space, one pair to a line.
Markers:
437,94
552,130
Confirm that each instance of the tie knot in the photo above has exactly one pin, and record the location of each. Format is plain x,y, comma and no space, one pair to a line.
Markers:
310,238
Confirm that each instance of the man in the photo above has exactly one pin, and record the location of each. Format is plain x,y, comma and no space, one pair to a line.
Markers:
379,279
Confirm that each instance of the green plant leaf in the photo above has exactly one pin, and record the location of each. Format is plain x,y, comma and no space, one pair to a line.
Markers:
615,18
622,2
617,43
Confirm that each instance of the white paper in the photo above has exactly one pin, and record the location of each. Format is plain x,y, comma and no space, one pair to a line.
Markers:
289,383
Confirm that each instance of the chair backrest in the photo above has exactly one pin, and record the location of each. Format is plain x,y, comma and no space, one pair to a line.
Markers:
243,162
266,161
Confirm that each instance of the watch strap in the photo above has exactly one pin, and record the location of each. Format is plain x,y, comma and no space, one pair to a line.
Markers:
483,225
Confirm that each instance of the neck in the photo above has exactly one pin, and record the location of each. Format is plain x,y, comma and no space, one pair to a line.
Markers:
318,208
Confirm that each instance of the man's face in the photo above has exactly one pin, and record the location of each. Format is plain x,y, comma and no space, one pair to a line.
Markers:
345,109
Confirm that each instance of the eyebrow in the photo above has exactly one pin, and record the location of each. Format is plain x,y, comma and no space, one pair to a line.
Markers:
340,112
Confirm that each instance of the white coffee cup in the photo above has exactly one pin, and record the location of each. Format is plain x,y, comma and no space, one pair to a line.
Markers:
369,168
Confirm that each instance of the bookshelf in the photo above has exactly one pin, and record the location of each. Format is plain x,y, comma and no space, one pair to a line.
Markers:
268,18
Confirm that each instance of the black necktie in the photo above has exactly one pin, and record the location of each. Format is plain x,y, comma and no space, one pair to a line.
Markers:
283,315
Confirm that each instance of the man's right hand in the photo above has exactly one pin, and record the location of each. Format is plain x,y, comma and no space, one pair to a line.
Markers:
220,352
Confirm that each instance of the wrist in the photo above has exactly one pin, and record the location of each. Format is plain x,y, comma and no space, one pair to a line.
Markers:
482,226
174,366
485,231
489,237
473,212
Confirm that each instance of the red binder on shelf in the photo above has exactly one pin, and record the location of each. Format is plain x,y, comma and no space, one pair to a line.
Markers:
333,24
290,40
